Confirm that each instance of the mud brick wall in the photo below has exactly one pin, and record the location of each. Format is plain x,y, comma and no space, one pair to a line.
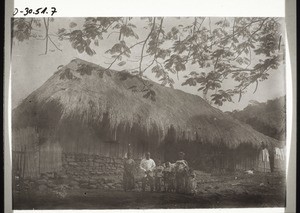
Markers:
93,171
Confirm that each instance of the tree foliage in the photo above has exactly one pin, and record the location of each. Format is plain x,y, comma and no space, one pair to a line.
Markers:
268,118
243,50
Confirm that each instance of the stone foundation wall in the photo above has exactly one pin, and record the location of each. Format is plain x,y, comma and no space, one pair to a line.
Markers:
81,171
93,171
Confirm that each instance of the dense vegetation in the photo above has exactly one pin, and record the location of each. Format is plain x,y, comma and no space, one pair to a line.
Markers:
210,51
268,118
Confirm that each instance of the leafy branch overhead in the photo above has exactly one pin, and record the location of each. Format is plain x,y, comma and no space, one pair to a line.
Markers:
242,51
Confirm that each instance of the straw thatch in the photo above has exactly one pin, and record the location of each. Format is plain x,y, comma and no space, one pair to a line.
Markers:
82,94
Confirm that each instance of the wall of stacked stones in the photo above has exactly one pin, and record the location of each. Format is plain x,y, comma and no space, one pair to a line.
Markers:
93,171
81,171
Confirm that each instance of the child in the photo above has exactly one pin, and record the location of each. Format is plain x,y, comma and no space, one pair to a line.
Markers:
192,183
169,177
158,175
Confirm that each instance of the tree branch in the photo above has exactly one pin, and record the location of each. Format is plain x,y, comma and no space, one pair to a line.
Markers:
200,25
250,58
54,43
209,22
144,44
237,32
46,35
112,33
249,40
256,86
156,46
122,54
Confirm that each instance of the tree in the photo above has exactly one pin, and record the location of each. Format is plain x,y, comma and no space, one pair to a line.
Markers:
243,50
24,29
268,118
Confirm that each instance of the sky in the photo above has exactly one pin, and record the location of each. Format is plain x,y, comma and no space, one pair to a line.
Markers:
31,68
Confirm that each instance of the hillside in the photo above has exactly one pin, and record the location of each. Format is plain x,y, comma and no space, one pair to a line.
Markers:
267,118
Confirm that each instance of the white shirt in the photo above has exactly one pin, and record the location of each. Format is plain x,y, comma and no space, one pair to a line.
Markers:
147,165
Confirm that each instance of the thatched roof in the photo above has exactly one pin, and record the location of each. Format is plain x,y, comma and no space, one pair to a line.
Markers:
87,92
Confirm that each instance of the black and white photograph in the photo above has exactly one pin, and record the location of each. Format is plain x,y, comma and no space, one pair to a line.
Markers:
148,112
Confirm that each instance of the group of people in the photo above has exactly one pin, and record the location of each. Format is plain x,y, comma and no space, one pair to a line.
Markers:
168,177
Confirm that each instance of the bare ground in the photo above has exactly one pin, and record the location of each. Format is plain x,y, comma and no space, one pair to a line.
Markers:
214,191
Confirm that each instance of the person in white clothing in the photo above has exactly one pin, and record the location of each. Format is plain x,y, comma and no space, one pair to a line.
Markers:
148,166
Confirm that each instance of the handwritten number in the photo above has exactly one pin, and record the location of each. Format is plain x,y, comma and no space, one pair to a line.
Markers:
44,10
26,10
53,10
16,11
37,11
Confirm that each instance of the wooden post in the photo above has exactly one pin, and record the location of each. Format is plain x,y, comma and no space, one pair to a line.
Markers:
77,145
39,159
94,147
19,159
99,148
118,154
24,155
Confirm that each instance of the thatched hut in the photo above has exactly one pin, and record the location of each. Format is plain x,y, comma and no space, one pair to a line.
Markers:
87,109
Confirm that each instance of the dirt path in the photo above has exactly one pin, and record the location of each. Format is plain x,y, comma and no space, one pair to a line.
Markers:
92,199
214,191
